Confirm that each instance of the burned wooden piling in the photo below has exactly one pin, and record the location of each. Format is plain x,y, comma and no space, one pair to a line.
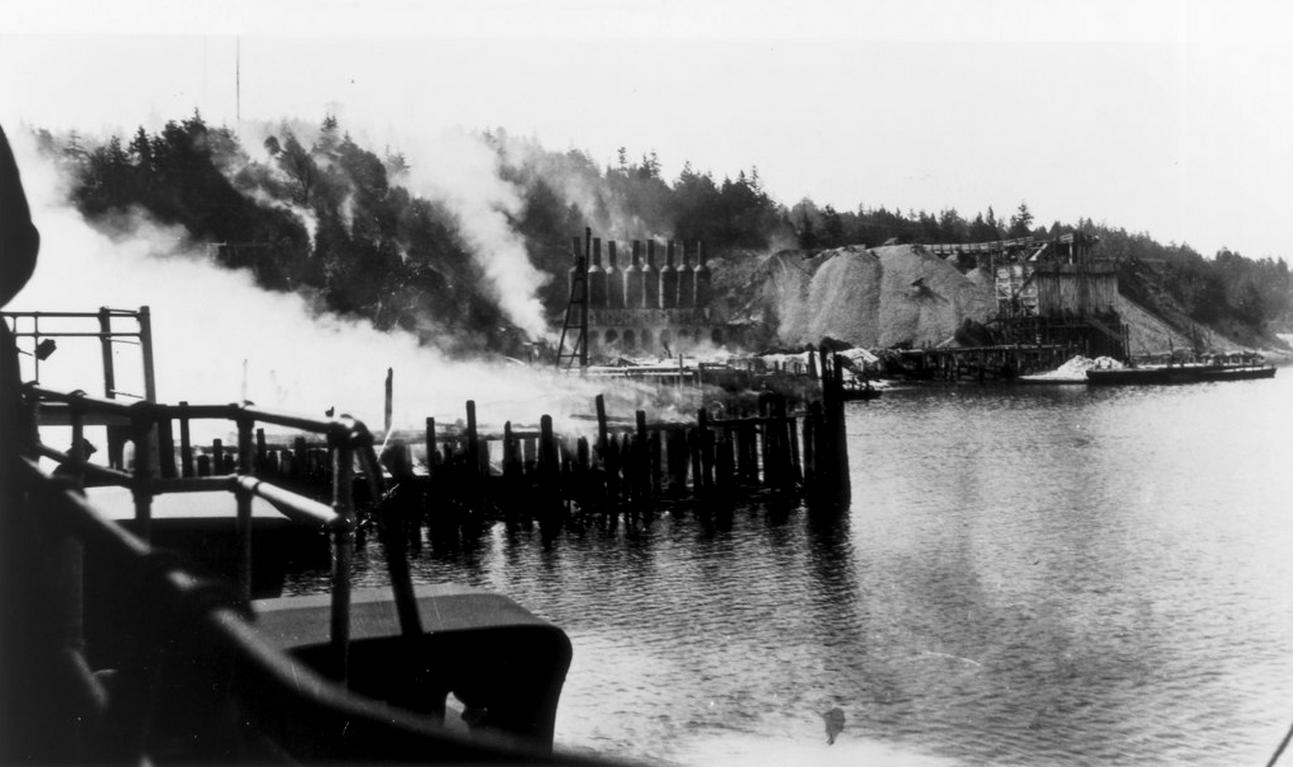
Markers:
623,466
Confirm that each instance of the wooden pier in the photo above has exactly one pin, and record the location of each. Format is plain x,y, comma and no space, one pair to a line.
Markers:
622,466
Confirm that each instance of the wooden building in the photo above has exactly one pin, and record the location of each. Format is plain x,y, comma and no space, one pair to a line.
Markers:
1049,292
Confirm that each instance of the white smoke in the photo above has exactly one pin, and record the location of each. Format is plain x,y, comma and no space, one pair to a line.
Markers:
215,332
460,170
575,180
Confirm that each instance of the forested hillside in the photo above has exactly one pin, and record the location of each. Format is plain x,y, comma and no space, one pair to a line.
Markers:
309,210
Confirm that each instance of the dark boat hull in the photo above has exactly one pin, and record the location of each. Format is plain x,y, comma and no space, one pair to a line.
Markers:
1178,374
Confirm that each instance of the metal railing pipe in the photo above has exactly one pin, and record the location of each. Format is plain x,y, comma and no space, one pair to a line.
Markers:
245,468
86,401
343,544
142,483
90,470
295,507
190,485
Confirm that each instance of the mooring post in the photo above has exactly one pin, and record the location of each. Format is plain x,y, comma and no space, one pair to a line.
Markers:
217,456
473,441
773,433
529,454
582,479
657,449
262,452
389,402
600,403
792,435
837,436
431,447
694,451
812,424
676,457
765,445
706,447
549,468
641,458
625,463
609,481
742,447
511,464
628,456
566,476
511,470
475,477
726,464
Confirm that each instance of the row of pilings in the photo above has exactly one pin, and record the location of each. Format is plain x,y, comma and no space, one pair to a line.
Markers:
620,468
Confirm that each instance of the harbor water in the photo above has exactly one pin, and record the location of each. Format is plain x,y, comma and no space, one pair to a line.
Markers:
1044,575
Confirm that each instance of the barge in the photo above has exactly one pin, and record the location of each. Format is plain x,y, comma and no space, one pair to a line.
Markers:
1178,374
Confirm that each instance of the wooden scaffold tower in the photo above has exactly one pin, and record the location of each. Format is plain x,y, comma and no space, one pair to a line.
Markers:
575,325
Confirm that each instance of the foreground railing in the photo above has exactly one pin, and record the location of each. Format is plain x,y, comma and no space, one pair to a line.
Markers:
349,442
186,628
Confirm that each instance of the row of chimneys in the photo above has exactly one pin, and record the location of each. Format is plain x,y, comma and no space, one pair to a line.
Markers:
640,284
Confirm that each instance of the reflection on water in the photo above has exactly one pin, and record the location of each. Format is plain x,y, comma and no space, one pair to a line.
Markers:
1027,576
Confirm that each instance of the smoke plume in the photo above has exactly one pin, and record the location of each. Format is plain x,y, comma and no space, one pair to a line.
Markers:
219,338
458,169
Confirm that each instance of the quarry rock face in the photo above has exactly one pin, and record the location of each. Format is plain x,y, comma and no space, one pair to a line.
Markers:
870,297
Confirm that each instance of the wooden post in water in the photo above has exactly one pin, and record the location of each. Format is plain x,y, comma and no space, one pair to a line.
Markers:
676,456
511,471
641,460
549,472
583,477
792,435
832,490
474,476
812,423
530,455
431,446
389,402
599,402
765,452
706,449
656,463
725,465
694,449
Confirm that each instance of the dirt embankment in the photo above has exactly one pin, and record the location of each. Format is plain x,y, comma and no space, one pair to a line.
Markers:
898,295
868,297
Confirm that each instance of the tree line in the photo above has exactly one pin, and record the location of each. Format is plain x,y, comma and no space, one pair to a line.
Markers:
335,221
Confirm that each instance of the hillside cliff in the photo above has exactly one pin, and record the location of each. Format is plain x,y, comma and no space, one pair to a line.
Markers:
902,295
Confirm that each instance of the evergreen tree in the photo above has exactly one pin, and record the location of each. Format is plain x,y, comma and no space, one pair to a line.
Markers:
1021,223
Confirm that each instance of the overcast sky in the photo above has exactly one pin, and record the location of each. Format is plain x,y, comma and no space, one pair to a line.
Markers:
1174,118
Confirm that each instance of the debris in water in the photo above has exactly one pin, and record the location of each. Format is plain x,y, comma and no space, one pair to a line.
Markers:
834,724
